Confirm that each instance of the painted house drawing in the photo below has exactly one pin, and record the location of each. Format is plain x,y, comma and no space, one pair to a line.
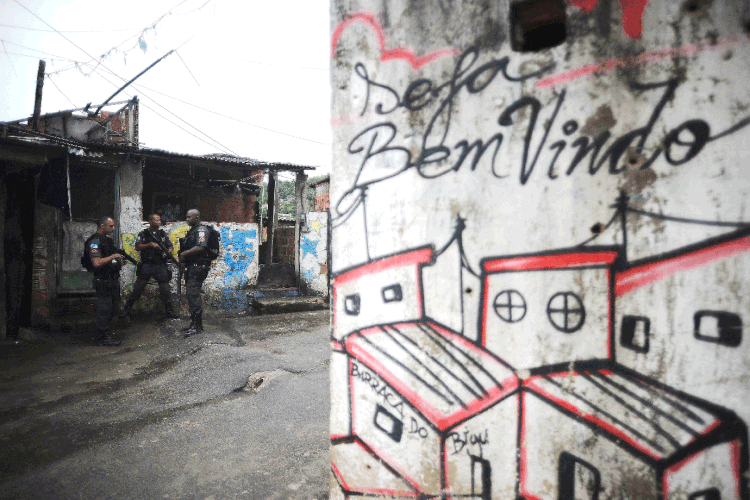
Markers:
442,416
668,445
533,300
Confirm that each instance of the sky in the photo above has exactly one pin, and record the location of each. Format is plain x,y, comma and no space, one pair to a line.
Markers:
247,77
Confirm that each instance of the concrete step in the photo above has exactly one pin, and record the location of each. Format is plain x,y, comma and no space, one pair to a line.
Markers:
268,292
276,275
279,305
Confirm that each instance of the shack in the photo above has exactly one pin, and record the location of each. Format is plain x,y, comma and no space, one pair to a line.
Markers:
58,175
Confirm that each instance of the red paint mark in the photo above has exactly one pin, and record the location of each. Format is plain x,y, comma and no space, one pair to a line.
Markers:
554,261
381,491
485,312
646,274
522,454
612,429
403,53
337,346
419,256
352,399
632,14
610,330
734,455
439,419
735,452
655,55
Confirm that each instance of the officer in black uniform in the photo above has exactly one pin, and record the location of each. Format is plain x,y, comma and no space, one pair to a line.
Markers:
194,254
107,263
154,264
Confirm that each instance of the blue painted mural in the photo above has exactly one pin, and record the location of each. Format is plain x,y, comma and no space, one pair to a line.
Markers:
239,253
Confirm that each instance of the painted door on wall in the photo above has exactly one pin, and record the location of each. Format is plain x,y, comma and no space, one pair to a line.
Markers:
541,243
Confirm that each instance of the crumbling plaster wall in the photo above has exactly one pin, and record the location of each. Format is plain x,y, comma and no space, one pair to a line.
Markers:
579,213
130,206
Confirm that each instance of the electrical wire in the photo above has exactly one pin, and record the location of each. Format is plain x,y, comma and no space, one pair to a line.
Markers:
221,146
140,86
99,63
61,58
10,61
688,221
139,34
58,89
65,31
226,149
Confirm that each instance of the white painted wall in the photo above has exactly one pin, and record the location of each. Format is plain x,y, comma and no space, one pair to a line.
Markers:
446,138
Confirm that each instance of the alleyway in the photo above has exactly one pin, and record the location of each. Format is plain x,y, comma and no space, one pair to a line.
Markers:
163,417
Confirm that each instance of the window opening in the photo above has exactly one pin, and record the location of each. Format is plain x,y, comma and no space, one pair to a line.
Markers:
481,478
634,333
510,306
719,327
388,423
577,479
709,494
566,312
352,304
392,293
537,24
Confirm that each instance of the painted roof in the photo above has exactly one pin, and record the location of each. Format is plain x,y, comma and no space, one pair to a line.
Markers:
655,421
443,375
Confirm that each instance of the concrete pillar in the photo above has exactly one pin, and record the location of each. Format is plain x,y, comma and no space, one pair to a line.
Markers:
300,196
130,209
541,246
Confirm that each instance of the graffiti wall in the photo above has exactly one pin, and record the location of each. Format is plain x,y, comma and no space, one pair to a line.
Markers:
231,274
313,253
541,249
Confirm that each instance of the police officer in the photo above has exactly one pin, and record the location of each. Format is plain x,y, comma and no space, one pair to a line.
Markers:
107,263
154,264
194,254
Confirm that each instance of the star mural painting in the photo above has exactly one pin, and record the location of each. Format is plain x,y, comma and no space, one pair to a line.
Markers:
314,254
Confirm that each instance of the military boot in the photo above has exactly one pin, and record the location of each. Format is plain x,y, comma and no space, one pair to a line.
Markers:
106,339
197,326
185,329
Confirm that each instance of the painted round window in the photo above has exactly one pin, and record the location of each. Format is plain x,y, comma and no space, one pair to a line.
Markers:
510,306
566,312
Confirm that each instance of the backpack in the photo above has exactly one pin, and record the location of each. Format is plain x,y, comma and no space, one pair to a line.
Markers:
85,257
213,245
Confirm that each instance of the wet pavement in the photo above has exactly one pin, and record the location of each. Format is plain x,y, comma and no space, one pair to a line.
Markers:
240,411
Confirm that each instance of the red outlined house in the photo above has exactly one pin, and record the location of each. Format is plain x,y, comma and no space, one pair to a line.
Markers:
435,408
438,412
703,324
386,290
600,432
545,309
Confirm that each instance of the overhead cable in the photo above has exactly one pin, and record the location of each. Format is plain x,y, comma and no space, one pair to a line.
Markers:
221,146
118,76
140,87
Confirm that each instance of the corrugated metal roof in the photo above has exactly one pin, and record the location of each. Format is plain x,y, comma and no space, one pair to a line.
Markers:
21,135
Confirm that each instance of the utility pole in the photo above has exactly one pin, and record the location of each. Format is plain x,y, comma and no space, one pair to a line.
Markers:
38,98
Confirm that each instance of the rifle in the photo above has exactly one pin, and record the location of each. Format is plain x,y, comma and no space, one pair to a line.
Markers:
170,257
126,256
164,250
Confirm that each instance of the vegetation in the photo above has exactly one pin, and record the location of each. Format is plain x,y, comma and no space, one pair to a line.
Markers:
287,199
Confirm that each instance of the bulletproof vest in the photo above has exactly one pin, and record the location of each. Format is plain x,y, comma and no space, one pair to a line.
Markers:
191,240
153,255
106,248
